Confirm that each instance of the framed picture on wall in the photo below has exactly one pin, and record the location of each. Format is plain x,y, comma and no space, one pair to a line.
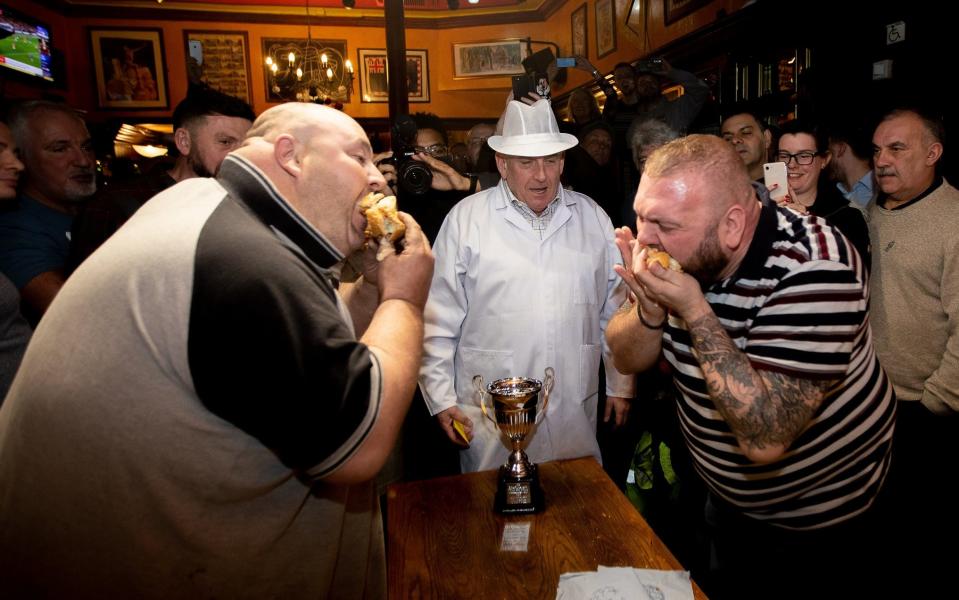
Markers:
373,67
489,59
673,10
221,60
129,69
578,28
605,27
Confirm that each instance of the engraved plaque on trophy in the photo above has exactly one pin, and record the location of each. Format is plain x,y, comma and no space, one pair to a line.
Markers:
514,408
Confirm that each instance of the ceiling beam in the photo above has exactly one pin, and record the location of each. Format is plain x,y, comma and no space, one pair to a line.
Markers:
287,15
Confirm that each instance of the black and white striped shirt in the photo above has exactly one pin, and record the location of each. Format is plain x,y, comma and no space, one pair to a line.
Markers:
797,305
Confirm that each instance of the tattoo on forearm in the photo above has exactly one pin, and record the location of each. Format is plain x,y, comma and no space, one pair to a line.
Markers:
762,408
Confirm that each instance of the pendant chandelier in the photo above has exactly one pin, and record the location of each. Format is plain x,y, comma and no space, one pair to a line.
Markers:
310,72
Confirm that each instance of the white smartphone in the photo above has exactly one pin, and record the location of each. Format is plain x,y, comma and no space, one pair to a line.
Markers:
774,176
196,51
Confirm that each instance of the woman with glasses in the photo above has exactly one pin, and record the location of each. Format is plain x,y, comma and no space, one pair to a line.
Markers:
804,150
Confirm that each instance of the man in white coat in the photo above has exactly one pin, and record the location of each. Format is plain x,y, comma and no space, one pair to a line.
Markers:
524,280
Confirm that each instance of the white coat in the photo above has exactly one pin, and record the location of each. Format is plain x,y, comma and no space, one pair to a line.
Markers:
505,303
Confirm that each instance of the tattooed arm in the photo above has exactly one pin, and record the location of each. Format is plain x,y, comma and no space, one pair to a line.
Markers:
765,410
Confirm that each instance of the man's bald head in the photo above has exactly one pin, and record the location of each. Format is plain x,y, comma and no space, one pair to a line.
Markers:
298,119
320,161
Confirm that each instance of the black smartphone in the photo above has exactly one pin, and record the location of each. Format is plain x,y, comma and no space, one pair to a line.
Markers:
523,85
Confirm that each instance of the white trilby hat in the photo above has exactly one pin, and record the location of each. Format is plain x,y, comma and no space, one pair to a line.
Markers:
531,131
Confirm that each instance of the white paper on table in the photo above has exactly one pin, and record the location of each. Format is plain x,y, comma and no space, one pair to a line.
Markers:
625,583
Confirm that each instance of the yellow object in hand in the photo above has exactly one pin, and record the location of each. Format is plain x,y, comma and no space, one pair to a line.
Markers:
461,430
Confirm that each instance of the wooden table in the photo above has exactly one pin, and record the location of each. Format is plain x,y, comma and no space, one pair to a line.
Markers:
443,538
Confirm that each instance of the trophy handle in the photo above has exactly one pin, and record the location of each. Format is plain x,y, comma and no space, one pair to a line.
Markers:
547,388
480,393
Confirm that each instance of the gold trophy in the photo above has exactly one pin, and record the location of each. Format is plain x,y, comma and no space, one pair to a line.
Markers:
514,405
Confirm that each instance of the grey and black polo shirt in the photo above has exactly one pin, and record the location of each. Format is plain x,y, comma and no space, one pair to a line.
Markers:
179,406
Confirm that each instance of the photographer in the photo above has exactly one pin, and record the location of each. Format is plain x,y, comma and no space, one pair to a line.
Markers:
419,171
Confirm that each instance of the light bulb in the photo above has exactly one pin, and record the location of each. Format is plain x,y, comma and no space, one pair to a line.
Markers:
349,67
299,73
269,60
323,59
291,58
329,74
274,68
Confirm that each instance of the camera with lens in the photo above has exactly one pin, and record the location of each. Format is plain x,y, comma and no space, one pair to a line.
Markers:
413,176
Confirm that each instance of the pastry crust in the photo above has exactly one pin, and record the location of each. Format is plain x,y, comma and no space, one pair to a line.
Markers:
382,222
663,258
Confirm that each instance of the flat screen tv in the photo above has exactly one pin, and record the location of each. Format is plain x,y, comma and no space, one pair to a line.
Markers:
25,45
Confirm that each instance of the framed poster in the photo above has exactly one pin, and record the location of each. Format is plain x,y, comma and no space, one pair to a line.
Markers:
128,68
489,59
221,60
578,28
373,67
673,10
605,27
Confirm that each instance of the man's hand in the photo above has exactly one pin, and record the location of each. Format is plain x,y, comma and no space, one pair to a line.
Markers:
445,420
634,260
618,408
407,275
445,177
583,63
531,98
658,290
387,169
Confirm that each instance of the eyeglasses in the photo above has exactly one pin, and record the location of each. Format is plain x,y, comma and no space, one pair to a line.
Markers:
801,158
436,150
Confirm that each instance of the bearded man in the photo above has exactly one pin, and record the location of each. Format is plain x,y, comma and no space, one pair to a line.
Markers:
786,412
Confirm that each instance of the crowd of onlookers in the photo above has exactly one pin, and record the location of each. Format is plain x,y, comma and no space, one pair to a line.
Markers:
801,375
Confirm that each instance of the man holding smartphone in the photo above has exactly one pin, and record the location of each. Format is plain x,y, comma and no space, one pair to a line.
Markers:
751,139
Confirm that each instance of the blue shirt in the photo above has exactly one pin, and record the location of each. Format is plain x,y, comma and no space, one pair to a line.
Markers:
34,239
862,192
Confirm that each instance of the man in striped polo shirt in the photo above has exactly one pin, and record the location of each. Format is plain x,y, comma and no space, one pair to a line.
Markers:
787,414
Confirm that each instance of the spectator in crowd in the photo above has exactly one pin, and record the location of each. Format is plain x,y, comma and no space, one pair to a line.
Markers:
583,109
752,140
650,103
60,175
644,137
14,330
212,427
789,421
643,100
524,281
804,150
476,142
447,187
851,164
589,168
207,125
460,157
915,313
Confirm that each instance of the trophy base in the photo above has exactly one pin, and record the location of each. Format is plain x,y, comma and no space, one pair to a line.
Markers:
518,496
